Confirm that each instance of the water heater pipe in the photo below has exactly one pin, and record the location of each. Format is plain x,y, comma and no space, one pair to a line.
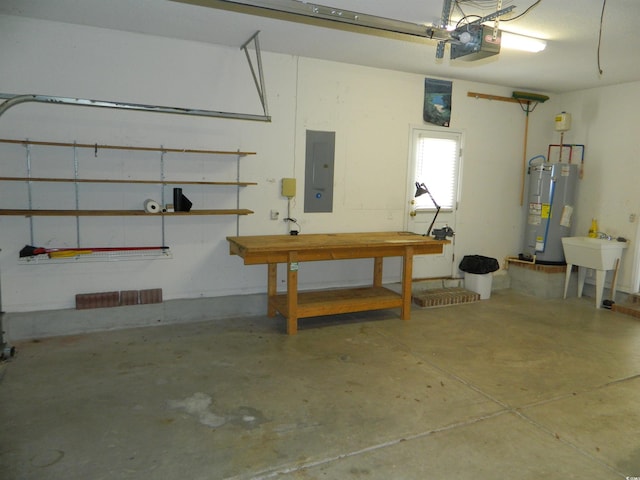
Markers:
546,230
570,145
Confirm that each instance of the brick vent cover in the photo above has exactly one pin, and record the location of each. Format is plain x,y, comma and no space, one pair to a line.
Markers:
439,297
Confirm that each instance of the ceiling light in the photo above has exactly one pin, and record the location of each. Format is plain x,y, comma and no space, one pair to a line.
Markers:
513,41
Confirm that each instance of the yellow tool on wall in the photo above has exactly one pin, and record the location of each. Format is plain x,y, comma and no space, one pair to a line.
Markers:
69,253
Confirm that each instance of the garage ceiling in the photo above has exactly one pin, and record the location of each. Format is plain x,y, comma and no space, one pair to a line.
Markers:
574,59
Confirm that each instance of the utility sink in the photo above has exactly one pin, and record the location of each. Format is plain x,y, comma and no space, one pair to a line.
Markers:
596,253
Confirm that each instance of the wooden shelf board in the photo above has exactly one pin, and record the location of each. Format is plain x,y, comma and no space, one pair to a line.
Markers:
347,300
97,180
117,213
123,147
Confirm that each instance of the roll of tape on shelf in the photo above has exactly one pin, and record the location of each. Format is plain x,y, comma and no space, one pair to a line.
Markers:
151,206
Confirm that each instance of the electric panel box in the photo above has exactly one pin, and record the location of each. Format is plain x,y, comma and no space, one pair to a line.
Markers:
319,163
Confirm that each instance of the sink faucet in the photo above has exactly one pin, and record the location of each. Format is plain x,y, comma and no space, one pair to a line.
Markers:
604,236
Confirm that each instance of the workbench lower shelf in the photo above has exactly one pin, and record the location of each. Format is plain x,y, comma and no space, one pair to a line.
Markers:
344,300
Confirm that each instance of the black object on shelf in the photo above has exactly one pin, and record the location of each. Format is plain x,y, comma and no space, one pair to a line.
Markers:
180,202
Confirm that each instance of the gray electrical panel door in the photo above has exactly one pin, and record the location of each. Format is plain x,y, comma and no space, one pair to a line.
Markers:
318,175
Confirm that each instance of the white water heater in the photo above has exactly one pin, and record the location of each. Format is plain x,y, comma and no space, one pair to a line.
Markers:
550,211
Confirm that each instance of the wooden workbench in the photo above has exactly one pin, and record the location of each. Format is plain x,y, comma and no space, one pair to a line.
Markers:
291,249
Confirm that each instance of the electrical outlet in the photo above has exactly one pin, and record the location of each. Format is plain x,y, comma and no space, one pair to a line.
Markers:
275,214
632,217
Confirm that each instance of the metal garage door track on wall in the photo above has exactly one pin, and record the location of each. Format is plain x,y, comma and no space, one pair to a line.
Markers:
258,78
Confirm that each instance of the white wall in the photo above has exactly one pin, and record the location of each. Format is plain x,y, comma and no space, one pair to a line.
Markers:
605,120
370,110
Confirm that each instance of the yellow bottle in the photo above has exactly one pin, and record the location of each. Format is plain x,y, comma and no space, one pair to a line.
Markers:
593,231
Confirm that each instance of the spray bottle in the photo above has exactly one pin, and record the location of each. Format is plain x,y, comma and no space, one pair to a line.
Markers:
593,231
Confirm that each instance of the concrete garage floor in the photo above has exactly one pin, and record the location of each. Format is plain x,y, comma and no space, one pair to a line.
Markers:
510,387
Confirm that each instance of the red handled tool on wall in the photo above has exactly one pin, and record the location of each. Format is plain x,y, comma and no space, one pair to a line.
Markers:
31,251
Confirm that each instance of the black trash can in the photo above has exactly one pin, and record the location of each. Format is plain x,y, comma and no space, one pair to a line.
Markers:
478,276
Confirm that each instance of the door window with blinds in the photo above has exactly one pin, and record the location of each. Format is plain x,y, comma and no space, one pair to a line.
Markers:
436,156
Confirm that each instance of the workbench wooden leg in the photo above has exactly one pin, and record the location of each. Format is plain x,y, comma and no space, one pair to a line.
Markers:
407,274
377,272
292,294
272,286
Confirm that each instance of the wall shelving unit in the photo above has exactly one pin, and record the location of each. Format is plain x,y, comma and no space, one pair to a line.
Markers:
76,180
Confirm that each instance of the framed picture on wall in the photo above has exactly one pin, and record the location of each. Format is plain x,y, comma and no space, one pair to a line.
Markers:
437,101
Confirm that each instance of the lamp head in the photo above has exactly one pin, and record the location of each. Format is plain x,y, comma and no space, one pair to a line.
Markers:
421,189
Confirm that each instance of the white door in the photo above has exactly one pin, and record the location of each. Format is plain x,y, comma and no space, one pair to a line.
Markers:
434,169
